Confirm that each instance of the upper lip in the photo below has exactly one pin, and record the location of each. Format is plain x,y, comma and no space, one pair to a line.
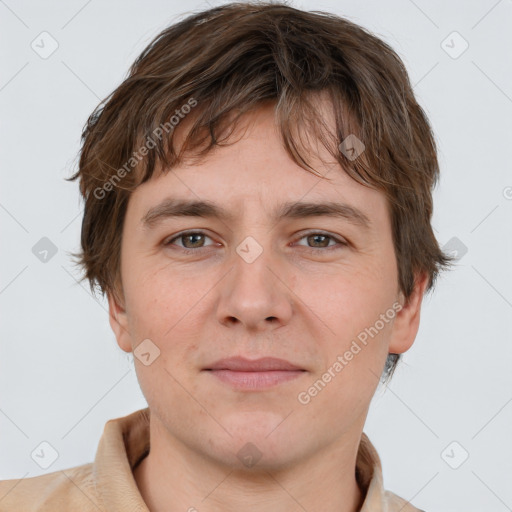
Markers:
241,364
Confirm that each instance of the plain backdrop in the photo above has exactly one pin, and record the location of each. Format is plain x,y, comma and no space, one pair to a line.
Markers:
442,427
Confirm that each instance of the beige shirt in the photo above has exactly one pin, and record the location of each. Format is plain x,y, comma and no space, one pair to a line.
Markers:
108,485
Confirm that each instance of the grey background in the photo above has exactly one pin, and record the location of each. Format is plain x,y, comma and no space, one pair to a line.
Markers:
62,375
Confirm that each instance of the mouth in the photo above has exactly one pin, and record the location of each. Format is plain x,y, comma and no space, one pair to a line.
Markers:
242,373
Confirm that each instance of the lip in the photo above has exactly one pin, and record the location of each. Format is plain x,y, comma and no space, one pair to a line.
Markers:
264,364
246,374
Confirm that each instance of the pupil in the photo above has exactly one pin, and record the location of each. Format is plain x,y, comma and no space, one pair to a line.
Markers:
192,237
320,236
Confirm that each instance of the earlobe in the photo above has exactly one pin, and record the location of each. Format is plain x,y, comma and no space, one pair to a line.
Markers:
407,320
119,323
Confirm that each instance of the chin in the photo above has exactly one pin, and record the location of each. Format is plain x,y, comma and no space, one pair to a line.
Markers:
260,440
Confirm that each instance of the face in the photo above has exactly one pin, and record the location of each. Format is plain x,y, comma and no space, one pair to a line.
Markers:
314,288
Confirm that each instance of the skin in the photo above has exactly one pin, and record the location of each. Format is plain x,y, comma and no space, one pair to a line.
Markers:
303,306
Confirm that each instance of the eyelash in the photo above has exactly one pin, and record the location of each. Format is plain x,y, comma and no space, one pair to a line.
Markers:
185,250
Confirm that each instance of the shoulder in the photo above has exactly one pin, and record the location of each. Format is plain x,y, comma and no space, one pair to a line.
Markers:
397,504
64,490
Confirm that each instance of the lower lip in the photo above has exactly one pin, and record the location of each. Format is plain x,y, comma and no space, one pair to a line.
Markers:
255,380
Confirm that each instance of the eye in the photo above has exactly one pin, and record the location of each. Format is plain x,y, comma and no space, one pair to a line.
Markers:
190,240
322,241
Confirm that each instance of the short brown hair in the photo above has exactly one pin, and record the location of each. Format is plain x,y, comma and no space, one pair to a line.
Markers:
231,59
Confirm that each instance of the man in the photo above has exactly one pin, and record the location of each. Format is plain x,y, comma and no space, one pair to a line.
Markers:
257,211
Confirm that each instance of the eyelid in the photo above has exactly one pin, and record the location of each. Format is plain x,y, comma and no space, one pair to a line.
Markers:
167,241
340,241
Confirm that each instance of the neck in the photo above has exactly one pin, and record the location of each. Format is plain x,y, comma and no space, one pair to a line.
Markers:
175,478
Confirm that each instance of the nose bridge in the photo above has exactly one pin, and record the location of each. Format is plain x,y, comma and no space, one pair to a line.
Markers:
252,294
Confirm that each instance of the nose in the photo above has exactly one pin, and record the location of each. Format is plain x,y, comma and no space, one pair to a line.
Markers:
255,294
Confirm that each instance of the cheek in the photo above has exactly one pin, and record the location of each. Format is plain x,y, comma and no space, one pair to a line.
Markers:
154,298
354,353
351,305
165,308
350,301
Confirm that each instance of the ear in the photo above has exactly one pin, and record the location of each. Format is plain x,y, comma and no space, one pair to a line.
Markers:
407,320
118,319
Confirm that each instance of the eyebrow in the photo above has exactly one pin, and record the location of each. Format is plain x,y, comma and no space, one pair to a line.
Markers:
170,208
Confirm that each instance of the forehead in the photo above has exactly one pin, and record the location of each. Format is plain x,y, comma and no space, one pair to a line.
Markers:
255,172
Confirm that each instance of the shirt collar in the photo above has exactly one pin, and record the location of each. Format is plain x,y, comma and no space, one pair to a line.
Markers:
125,442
